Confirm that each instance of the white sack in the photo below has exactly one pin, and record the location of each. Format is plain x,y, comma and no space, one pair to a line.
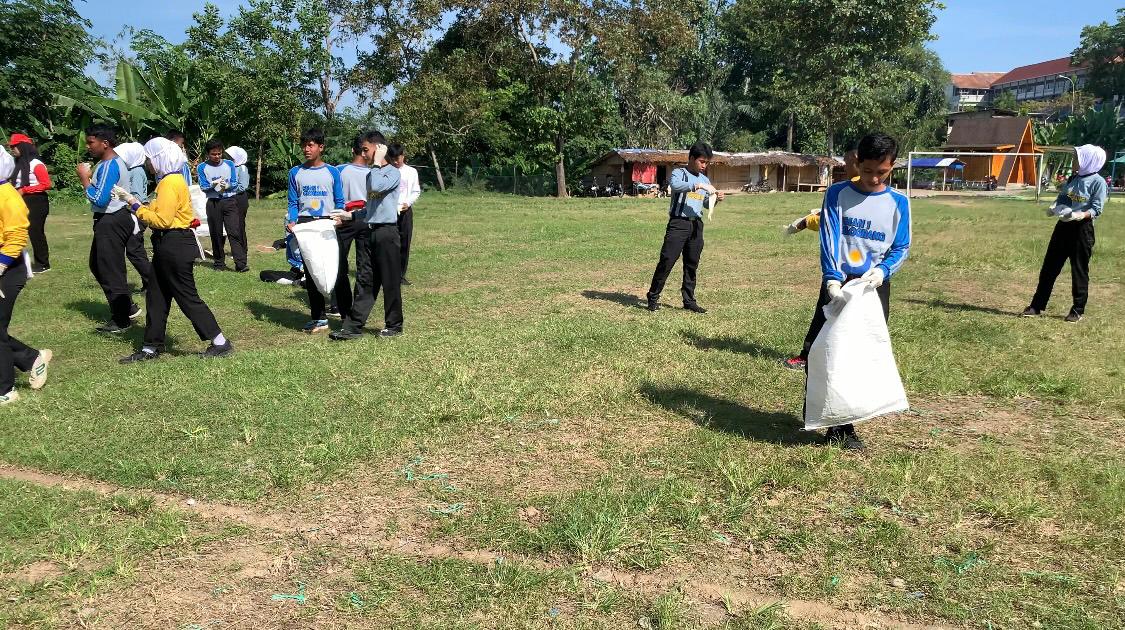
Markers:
852,375
198,202
320,253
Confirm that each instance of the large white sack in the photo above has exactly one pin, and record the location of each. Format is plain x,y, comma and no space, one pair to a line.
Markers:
320,252
852,375
198,202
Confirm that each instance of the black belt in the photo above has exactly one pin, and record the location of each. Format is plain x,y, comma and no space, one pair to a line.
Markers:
377,225
156,232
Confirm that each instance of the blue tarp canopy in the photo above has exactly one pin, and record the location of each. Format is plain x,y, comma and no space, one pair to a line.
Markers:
937,163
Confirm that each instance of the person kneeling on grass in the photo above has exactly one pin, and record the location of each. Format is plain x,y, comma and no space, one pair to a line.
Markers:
173,256
1078,205
13,276
865,235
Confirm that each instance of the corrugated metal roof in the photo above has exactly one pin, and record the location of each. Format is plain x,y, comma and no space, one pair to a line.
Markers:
975,80
1037,70
987,132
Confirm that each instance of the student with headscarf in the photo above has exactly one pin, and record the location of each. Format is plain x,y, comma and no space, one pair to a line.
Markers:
173,256
241,188
32,181
1078,205
14,354
133,155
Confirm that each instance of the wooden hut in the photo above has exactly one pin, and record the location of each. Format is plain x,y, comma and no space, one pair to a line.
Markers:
995,134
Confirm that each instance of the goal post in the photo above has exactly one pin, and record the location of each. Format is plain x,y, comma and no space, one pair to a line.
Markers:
979,171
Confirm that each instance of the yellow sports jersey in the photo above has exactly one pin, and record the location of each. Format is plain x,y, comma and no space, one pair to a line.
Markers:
13,224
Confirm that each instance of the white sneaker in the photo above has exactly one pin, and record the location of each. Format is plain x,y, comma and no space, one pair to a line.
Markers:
37,377
10,397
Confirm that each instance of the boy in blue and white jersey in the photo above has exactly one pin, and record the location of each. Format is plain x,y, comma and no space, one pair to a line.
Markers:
351,228
315,192
218,178
864,235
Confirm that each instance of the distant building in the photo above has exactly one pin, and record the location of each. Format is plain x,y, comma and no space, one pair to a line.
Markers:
1040,81
998,135
969,91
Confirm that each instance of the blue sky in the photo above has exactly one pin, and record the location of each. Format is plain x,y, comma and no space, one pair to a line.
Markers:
981,35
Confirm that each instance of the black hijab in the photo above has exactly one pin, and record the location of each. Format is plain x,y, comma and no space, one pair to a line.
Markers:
28,152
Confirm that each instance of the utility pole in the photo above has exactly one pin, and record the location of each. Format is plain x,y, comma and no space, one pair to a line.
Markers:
1073,96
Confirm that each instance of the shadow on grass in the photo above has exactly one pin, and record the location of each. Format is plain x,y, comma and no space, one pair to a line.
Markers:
616,297
98,313
284,317
732,344
730,417
960,308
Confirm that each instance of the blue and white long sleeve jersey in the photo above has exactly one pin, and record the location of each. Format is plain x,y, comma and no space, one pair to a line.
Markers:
211,174
186,171
107,174
138,183
859,231
687,203
243,180
382,195
1084,194
314,192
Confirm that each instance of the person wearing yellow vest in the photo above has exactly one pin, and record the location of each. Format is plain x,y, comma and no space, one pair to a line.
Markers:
173,255
14,354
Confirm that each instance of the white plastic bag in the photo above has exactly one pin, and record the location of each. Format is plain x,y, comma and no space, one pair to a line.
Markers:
852,375
320,253
198,202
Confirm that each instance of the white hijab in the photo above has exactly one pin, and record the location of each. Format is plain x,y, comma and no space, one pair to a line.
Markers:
238,154
132,153
7,164
166,156
1091,159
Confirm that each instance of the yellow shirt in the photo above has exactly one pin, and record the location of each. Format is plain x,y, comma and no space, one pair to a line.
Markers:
171,209
13,224
812,222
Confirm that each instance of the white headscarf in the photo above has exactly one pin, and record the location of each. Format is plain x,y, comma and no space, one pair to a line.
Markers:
1091,159
166,156
132,153
7,164
238,154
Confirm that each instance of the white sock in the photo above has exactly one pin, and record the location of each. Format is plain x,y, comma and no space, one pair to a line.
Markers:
219,340
148,350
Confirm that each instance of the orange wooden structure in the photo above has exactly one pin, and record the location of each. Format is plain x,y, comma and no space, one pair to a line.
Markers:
996,134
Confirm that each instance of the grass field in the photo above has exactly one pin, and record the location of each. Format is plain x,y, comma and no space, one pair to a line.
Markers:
538,451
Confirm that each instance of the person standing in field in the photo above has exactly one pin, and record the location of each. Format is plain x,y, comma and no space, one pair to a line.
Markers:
351,228
409,190
173,254
133,154
14,354
864,236
33,181
1083,198
241,190
684,233
218,178
384,245
315,192
112,226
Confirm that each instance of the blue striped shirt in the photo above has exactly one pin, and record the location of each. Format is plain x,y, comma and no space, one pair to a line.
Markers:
107,174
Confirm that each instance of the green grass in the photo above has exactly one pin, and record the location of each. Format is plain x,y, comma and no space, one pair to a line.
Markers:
649,442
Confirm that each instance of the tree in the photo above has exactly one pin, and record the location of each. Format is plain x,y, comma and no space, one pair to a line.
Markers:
1006,100
1102,48
44,46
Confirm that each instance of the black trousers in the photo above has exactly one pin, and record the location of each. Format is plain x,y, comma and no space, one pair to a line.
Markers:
173,260
405,234
14,354
349,233
224,213
818,318
242,202
1073,241
682,236
138,256
38,207
385,273
107,261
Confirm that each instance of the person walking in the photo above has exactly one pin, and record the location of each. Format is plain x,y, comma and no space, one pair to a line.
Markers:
33,181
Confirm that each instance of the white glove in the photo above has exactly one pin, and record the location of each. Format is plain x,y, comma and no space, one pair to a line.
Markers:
874,277
1078,215
221,186
835,291
1068,217
3,268
120,193
792,228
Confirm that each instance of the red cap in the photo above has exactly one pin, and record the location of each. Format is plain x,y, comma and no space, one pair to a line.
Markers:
18,138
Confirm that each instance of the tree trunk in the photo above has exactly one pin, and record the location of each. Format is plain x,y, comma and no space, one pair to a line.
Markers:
831,144
560,170
437,170
789,134
258,177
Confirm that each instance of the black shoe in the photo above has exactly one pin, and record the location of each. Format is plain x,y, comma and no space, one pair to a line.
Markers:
220,266
137,357
214,351
111,328
695,308
390,332
1031,312
344,334
1073,317
653,305
845,437
406,282
242,269
334,313
40,269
